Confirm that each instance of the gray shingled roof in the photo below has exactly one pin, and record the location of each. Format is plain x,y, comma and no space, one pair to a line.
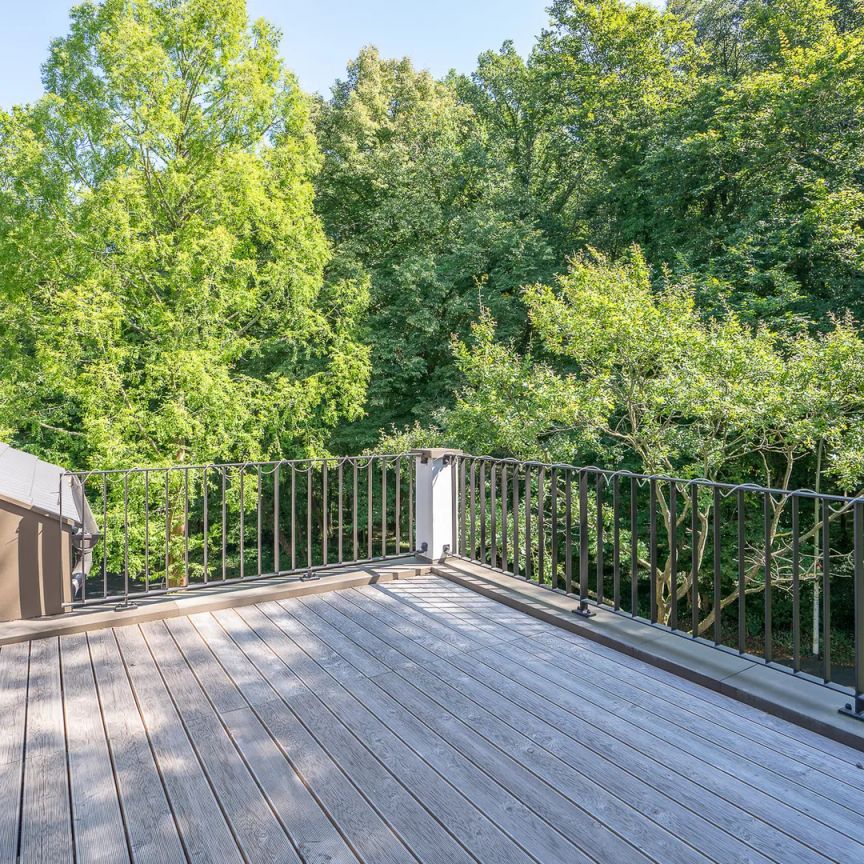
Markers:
30,482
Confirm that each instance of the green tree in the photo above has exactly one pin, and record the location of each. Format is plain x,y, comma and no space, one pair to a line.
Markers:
161,265
411,194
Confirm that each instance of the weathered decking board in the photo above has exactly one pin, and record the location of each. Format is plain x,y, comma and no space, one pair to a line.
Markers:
410,721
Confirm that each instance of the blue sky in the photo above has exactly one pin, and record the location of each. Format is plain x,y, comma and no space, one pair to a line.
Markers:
319,37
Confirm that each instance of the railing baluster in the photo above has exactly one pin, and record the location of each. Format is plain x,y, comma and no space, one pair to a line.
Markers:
325,520
167,532
767,630
473,531
634,547
600,491
515,518
857,705
397,506
205,528
652,542
481,482
104,539
383,508
541,526
528,562
355,538
258,500
277,568
796,585
341,500
673,555
616,542
125,538
742,576
717,601
224,526
568,532
463,489
583,536
293,517
185,526
504,524
694,560
454,504
826,590
493,505
369,507
553,527
146,532
309,471
242,521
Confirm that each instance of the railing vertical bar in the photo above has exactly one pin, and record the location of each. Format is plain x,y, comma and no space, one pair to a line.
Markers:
455,498
258,501
185,526
104,538
325,514
673,555
493,520
616,542
796,585
341,501
826,590
695,541
125,537
768,628
369,465
742,575
167,530
293,517
472,515
600,493
205,525
652,542
481,482
568,531
383,508
463,507
355,532
634,547
528,562
583,536
858,575
541,526
146,532
553,527
398,505
504,521
242,470
717,601
277,564
515,518
224,525
411,543
309,498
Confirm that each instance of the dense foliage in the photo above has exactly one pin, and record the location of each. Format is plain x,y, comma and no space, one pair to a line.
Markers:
641,245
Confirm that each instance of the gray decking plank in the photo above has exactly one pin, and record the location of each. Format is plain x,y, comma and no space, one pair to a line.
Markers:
525,763
370,835
149,821
255,826
14,660
545,729
418,829
364,706
46,831
674,710
739,769
312,832
96,816
202,826
786,742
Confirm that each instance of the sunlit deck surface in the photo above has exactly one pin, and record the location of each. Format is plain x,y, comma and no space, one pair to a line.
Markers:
409,721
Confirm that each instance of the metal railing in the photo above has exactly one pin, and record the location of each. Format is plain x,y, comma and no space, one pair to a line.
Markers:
184,527
774,574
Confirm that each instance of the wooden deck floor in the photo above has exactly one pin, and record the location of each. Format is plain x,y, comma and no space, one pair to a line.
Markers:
413,721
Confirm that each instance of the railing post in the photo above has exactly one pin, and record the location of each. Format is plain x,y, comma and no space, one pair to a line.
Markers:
433,502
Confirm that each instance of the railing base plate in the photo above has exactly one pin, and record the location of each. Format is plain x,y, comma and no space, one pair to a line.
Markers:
309,577
122,607
584,611
854,710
